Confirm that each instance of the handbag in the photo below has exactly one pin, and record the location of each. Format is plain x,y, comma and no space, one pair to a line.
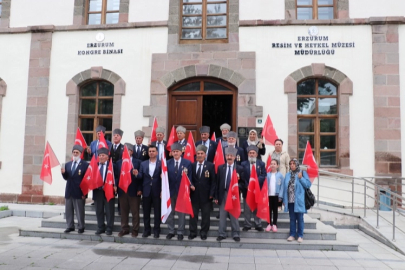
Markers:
309,199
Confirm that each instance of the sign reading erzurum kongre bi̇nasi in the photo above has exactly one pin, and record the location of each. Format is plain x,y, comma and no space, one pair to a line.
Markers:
312,44
100,47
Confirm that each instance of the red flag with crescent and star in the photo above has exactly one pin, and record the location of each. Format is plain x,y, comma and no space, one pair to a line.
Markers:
219,157
154,127
310,162
109,183
253,192
48,162
190,152
232,204
183,204
126,168
171,139
268,163
263,210
92,179
80,141
213,137
269,133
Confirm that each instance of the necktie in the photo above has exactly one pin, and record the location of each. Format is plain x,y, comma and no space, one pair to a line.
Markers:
199,171
138,152
228,177
102,171
158,155
176,167
115,147
74,167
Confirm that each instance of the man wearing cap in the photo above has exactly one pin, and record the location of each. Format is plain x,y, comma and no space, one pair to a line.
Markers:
160,143
175,169
223,179
103,208
131,200
204,183
140,150
73,172
181,138
150,172
225,128
116,148
240,154
94,144
210,145
261,175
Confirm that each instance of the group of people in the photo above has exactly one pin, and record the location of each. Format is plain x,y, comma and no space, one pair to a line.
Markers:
286,183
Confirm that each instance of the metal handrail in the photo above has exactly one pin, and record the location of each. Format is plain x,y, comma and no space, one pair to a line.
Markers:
366,184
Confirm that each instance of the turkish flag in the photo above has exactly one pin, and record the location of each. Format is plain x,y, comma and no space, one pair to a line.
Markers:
232,204
80,141
183,204
126,168
268,168
48,162
219,157
166,205
269,133
263,210
102,142
92,179
253,189
190,151
171,139
213,137
310,162
154,127
109,183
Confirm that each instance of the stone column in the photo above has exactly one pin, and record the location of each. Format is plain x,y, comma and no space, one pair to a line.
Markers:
5,13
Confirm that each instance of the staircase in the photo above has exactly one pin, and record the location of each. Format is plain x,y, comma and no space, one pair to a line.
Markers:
317,236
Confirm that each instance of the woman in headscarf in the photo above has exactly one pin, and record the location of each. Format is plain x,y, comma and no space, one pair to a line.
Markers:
292,193
253,139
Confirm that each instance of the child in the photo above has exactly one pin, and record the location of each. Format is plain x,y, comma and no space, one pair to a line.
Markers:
274,180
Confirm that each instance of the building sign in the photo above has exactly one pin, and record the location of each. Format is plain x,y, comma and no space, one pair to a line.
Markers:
312,44
100,47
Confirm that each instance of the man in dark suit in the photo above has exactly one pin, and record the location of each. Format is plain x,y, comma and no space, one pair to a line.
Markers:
240,154
202,192
210,145
150,173
181,138
225,128
73,173
93,149
140,150
132,199
161,144
103,208
117,148
261,175
175,168
224,176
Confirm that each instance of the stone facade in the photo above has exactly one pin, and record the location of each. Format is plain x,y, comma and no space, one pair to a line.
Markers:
5,13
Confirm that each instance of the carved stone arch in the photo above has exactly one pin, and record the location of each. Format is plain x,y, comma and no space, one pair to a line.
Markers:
72,91
345,89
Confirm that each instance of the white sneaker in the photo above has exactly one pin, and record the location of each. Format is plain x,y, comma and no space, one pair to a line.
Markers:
268,228
291,238
299,240
274,228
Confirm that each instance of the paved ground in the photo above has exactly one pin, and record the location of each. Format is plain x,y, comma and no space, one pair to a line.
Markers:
39,254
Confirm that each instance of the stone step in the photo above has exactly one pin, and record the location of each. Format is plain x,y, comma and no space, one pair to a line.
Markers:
246,243
325,233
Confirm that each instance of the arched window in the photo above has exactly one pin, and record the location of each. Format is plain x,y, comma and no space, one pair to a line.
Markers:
96,108
318,115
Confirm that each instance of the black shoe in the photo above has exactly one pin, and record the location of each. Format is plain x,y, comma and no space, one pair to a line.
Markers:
245,229
220,238
80,231
68,230
145,234
217,216
108,233
237,239
156,235
203,237
259,229
98,232
192,236
180,237
92,203
169,236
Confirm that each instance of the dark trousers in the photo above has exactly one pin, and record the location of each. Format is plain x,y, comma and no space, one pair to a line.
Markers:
147,203
104,208
273,207
205,218
132,204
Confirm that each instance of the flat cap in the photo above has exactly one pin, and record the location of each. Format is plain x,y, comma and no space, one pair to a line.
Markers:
177,146
118,131
205,129
139,133
201,147
100,128
181,129
232,134
103,151
252,147
160,130
78,148
225,126
231,151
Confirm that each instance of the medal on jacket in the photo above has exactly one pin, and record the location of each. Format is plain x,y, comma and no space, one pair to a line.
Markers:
143,153
238,176
183,149
80,172
237,158
185,170
207,173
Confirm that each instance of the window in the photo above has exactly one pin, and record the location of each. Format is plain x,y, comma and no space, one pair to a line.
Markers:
204,20
317,111
0,7
315,9
96,108
103,11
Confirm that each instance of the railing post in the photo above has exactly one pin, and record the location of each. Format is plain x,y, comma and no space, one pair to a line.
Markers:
317,202
352,194
378,207
365,198
393,220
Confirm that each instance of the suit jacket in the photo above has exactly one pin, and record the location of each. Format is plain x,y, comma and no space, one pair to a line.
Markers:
184,144
205,184
175,180
164,146
261,173
93,146
116,155
211,150
221,178
136,184
143,155
73,180
151,185
240,155
261,151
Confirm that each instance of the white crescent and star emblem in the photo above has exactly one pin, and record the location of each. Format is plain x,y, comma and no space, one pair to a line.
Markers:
102,144
78,141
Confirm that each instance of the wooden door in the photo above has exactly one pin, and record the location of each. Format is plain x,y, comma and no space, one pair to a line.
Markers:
186,111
